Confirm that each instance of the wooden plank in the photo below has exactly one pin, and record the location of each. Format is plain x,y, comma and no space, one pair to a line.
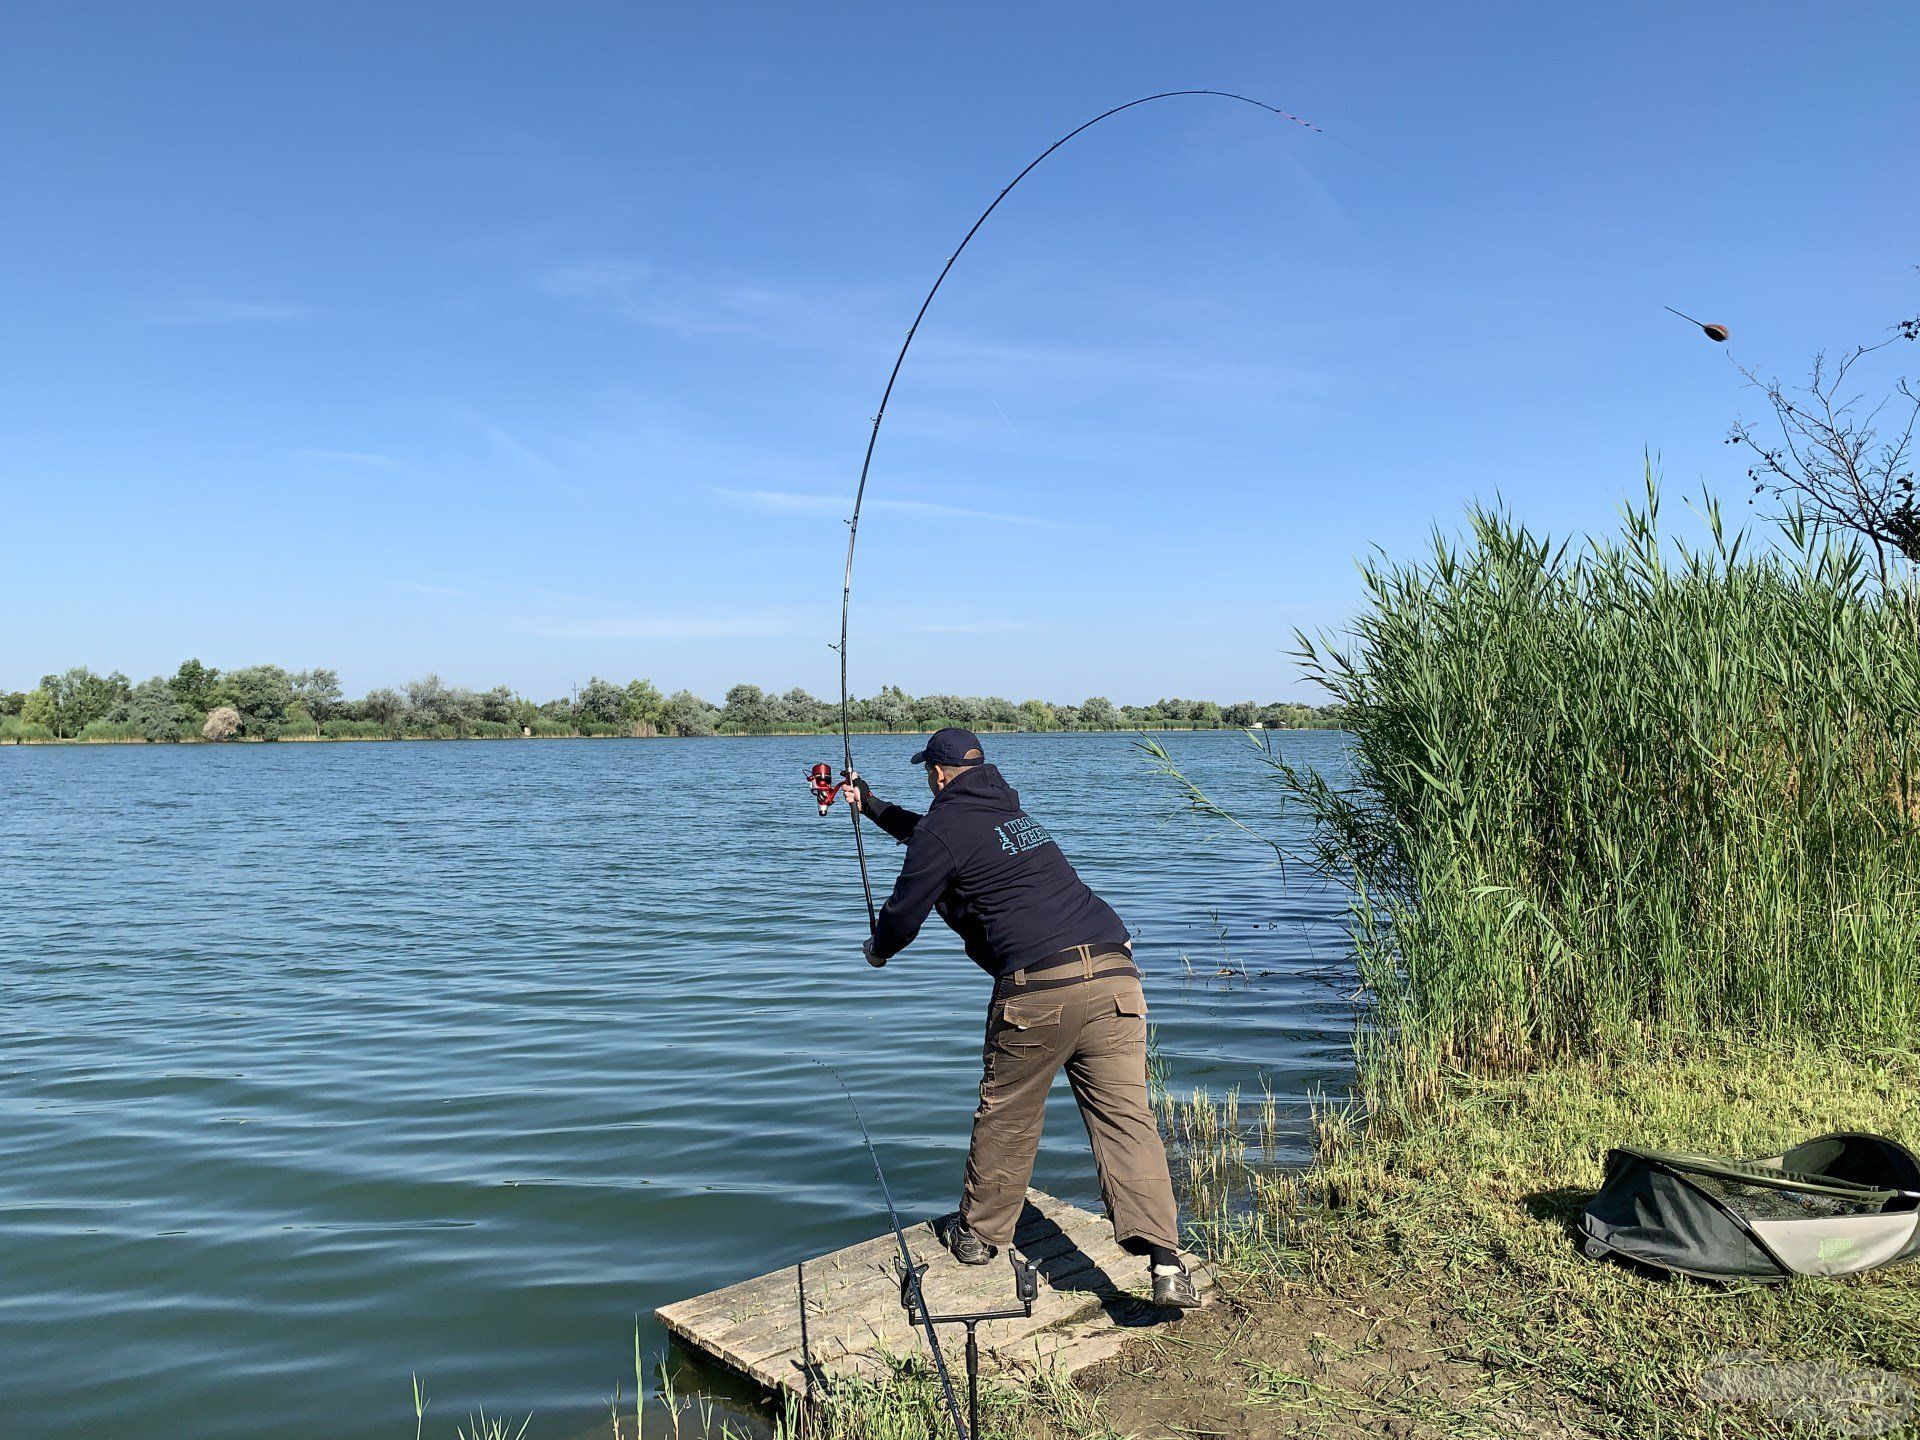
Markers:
839,1315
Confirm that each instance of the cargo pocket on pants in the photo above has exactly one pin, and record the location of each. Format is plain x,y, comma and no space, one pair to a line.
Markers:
1024,1026
1130,1019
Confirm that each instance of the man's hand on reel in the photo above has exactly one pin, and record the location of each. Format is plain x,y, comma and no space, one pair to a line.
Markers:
866,949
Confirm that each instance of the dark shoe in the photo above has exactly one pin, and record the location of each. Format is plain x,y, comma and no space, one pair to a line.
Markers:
1176,1291
966,1247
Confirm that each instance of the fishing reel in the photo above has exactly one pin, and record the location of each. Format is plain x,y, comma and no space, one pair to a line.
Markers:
825,788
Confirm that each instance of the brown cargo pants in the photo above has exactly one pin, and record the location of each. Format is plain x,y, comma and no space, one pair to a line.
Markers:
1091,1017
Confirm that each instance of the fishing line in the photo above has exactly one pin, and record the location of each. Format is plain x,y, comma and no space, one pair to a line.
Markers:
910,1276
1716,333
1505,226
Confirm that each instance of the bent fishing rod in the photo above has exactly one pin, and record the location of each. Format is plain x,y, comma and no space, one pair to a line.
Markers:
824,789
893,376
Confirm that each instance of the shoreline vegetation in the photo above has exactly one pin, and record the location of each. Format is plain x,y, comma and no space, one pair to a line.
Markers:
267,703
1633,840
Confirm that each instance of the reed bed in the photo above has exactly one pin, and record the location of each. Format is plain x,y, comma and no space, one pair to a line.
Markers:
1624,794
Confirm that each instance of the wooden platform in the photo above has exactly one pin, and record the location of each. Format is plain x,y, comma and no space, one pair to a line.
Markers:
819,1320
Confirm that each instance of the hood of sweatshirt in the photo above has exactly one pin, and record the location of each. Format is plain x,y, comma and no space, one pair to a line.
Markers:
981,788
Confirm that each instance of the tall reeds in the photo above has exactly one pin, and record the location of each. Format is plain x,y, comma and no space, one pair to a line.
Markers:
1627,792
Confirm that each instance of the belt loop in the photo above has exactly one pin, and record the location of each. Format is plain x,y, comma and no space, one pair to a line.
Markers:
1086,962
1019,978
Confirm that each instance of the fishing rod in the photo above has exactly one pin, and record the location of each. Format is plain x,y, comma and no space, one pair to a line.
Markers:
912,1299
824,789
880,415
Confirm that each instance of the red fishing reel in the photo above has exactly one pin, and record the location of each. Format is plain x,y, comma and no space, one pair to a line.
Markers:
825,788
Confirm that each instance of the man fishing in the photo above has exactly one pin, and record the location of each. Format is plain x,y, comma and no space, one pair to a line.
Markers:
1066,993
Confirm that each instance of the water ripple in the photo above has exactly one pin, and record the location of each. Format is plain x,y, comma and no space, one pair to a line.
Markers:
325,1065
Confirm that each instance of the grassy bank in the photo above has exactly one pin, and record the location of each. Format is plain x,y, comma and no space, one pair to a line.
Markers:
1423,1281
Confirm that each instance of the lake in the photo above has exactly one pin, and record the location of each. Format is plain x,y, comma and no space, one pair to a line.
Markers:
328,1065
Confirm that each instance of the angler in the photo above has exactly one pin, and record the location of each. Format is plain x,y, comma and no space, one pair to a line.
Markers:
1066,994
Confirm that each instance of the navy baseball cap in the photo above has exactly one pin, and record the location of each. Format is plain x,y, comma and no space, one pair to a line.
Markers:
950,747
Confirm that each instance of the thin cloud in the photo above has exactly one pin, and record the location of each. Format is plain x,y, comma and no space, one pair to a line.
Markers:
639,293
365,458
232,312
792,502
519,450
421,589
597,280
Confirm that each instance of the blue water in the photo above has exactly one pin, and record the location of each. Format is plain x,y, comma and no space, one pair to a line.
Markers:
322,1066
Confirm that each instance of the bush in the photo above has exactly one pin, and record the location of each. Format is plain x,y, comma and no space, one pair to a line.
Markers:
354,730
111,730
223,723
601,728
14,729
547,726
492,730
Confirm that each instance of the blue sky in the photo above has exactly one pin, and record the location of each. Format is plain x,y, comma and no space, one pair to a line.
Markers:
525,343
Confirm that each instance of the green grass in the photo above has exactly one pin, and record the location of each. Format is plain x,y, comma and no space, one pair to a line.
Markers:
1462,1221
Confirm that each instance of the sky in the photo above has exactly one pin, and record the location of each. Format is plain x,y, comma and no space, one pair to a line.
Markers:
523,344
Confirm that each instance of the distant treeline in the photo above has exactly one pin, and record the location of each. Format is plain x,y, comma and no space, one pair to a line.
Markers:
265,702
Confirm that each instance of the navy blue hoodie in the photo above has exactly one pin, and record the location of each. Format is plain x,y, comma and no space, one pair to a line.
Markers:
993,873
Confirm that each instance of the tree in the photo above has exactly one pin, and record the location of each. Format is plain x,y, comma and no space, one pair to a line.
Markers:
223,723
747,709
797,710
153,709
1097,711
384,706
644,707
1205,712
1036,715
38,709
12,702
192,685
317,692
687,714
892,707
261,695
931,712
995,710
499,706
600,703
1831,462
77,698
435,705
1243,714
